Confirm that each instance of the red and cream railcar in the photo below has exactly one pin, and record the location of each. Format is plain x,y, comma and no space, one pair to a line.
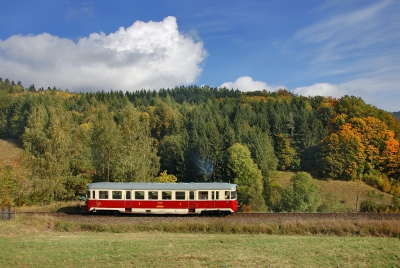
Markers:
162,198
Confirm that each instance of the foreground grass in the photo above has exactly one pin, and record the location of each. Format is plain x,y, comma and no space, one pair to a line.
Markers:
155,249
35,242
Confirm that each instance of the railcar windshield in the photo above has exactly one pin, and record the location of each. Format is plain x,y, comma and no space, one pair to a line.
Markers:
234,195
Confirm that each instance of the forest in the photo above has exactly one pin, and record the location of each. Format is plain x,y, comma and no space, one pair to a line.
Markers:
194,134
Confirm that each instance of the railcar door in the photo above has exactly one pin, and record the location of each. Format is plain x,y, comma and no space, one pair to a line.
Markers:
214,196
128,201
192,204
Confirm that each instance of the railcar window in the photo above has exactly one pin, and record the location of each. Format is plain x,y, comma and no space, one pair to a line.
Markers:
153,195
191,195
215,195
128,195
139,195
166,195
180,195
88,194
103,194
116,194
234,195
227,195
94,195
203,195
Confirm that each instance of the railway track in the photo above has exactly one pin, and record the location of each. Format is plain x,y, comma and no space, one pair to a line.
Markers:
258,216
320,216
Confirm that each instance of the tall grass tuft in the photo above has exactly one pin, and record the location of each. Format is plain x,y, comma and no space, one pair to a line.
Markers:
327,227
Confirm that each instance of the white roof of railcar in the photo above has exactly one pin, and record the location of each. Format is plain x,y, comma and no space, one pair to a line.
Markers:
160,186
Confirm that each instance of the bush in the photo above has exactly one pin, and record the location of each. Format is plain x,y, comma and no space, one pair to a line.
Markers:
374,203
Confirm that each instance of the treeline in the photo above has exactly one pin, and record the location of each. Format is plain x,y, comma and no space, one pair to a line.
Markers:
397,115
196,134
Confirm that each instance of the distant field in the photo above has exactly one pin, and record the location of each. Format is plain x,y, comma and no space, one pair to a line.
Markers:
153,249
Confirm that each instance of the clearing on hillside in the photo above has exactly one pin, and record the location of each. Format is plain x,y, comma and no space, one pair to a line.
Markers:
11,153
346,191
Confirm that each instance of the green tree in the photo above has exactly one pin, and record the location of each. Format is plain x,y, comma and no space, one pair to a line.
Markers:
9,186
49,144
173,151
136,157
247,176
284,152
302,196
105,140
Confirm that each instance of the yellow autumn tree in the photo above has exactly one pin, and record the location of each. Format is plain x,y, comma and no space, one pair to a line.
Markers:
166,178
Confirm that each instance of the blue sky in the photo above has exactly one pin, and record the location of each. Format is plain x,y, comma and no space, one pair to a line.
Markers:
330,48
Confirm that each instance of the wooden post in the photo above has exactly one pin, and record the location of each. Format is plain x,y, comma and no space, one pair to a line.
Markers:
357,204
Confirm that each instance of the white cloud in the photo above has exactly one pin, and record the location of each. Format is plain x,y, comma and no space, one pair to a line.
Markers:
148,55
246,83
319,89
379,91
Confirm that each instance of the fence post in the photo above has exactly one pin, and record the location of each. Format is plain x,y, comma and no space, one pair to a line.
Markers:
357,204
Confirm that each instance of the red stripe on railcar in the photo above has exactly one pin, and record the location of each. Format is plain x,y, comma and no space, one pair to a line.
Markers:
164,204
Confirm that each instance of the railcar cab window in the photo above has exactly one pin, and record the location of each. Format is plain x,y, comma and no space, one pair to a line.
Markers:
103,194
153,195
180,195
203,195
227,195
166,195
88,194
139,195
116,194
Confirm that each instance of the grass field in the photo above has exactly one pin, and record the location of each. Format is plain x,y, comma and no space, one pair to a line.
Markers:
153,249
35,242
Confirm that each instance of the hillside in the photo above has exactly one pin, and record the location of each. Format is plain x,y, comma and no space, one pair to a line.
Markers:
197,134
346,191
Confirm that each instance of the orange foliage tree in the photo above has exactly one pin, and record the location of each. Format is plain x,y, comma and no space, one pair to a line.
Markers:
359,146
342,155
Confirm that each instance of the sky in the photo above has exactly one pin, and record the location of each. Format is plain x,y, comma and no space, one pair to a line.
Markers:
314,47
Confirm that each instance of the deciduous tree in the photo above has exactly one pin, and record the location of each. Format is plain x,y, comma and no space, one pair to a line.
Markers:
247,176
